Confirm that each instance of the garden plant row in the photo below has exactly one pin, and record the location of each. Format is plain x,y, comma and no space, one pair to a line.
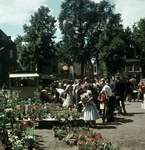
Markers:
18,118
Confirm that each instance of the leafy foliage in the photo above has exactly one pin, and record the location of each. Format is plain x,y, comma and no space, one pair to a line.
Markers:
112,48
139,38
36,47
81,23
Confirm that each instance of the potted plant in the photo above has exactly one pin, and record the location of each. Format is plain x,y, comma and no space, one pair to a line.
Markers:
68,137
60,133
54,129
30,140
17,145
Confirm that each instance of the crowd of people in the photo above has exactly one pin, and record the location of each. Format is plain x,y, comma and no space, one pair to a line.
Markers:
90,96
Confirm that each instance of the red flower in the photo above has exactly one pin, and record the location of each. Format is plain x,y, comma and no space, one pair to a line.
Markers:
22,108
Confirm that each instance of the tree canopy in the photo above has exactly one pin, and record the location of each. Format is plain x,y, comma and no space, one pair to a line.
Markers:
139,37
112,50
36,47
81,23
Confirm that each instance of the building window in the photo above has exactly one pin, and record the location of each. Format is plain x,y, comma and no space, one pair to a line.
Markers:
24,81
0,68
32,81
125,68
11,53
130,67
137,67
1,36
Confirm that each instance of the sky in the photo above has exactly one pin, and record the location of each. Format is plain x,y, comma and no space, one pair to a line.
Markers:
15,13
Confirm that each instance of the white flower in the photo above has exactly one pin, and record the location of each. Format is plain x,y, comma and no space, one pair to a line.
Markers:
8,109
13,139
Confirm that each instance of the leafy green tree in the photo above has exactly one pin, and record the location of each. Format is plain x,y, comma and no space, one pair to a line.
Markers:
139,37
112,49
37,46
139,41
129,40
81,22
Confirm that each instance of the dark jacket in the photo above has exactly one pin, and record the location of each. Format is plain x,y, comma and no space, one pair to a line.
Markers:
119,88
112,86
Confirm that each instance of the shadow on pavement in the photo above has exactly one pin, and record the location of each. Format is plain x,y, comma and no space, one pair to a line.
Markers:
39,144
132,114
105,127
122,120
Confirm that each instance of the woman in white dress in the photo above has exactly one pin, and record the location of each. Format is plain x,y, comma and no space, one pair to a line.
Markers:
68,102
91,113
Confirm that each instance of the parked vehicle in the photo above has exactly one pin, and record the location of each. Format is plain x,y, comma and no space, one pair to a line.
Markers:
26,82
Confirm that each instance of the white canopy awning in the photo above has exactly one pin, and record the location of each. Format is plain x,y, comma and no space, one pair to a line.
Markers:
22,75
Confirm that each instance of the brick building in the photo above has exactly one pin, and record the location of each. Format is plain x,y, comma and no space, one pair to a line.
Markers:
8,57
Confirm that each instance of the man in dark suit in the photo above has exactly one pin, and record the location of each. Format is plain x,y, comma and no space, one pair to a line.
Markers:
119,91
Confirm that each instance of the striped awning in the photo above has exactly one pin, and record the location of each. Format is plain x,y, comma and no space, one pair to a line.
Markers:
22,75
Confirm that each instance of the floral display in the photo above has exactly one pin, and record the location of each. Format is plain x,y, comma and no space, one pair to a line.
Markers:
29,140
18,132
92,141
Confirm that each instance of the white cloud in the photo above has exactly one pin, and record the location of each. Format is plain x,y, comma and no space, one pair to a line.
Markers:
131,10
17,12
13,38
97,1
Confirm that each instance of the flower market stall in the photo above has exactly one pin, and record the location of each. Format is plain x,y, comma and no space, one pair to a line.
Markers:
17,124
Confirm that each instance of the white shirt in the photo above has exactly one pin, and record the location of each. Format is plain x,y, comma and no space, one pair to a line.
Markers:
107,90
95,85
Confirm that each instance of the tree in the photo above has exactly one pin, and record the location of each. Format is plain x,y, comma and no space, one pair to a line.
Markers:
112,49
129,40
139,37
139,41
81,22
36,47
